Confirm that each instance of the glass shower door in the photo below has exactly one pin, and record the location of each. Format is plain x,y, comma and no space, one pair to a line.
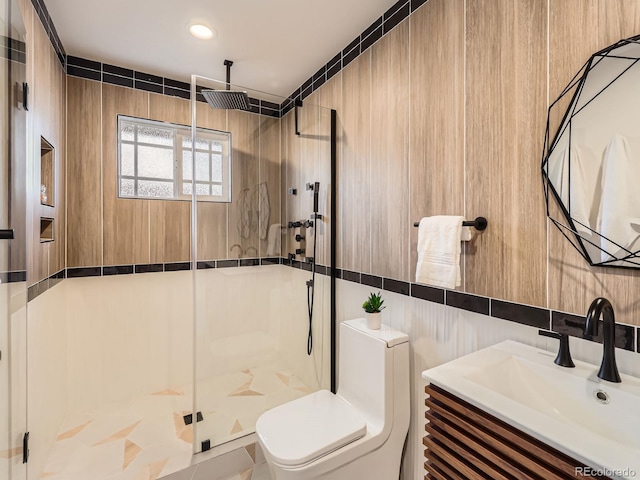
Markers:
13,291
251,304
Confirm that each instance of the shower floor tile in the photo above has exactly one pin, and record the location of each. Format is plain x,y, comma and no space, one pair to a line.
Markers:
145,438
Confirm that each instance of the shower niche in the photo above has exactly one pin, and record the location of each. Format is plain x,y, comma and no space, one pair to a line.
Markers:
47,173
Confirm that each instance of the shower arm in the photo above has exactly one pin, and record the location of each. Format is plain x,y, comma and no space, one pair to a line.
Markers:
228,64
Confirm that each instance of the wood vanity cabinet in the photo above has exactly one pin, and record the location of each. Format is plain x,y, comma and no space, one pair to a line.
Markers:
464,442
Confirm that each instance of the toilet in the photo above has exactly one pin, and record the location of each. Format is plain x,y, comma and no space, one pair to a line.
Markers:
359,432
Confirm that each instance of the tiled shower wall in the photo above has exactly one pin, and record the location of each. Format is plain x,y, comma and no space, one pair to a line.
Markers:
97,341
46,118
445,114
106,230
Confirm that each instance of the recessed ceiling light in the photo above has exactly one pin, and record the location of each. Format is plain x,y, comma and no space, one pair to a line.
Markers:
201,31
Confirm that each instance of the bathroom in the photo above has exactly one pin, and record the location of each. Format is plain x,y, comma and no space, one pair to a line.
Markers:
143,338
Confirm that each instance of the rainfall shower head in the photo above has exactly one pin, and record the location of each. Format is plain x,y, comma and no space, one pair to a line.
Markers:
227,99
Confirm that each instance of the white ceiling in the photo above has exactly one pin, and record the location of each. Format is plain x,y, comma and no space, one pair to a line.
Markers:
275,44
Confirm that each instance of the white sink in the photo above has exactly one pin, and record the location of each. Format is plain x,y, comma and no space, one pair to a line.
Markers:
522,386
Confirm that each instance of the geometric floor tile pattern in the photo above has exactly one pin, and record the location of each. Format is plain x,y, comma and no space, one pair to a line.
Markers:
145,438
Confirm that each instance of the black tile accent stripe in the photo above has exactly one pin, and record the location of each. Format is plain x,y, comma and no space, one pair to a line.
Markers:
573,325
149,268
307,266
147,77
84,272
177,84
395,19
415,4
115,70
296,263
466,301
371,39
271,261
84,63
117,270
83,73
396,286
383,25
426,292
206,265
13,277
227,263
371,280
524,314
50,29
249,262
350,276
177,266
176,92
32,292
148,87
117,80
321,269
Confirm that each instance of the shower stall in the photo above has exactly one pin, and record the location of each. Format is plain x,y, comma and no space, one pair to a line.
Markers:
191,313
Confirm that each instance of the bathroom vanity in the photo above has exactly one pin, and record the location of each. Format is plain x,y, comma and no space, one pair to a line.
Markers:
509,412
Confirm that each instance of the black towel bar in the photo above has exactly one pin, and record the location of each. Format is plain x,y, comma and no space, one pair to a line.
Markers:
480,223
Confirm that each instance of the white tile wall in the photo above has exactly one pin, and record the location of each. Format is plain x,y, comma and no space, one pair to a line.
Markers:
439,334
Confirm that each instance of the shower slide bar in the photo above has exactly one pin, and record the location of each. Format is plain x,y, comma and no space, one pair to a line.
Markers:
480,223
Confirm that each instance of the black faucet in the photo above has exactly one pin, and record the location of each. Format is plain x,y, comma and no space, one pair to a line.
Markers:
564,355
602,306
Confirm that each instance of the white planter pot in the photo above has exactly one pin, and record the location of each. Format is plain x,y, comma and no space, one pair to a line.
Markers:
374,320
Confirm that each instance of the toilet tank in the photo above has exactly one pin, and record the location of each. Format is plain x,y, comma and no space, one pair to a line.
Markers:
366,366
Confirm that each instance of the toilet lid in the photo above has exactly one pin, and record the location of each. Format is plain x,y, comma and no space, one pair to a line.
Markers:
307,428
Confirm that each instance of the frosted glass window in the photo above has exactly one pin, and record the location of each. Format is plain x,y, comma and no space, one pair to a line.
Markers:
155,160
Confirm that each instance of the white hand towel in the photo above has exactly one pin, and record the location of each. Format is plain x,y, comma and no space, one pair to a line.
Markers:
274,239
618,216
439,251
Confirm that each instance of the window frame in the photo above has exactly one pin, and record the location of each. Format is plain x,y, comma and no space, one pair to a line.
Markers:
181,132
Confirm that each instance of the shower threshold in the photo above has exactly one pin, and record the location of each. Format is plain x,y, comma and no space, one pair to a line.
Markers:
146,438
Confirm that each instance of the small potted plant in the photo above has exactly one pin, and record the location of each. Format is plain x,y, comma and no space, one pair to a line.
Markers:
373,306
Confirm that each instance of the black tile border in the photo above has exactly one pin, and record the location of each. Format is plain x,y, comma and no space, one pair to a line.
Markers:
227,263
370,35
79,272
371,280
43,14
13,277
177,266
249,262
148,268
125,77
206,265
117,270
396,286
627,336
524,314
466,301
427,292
271,261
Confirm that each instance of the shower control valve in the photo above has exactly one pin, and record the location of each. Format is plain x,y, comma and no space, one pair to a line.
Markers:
299,251
308,224
294,224
299,237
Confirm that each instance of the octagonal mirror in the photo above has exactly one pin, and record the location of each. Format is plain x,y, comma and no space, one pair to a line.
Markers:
591,165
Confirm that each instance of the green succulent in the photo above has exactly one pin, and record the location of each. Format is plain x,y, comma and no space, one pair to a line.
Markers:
373,304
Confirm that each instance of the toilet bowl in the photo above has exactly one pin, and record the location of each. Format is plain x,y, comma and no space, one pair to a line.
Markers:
359,432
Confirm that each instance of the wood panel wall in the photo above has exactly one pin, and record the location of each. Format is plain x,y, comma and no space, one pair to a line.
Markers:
46,118
446,115
107,230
